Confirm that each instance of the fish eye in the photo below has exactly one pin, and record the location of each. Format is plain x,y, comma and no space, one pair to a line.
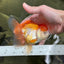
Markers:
45,32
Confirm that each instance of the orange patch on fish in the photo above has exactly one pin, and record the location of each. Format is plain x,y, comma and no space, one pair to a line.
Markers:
32,26
25,22
32,41
43,27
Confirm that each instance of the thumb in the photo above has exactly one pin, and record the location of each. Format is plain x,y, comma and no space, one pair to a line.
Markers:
31,9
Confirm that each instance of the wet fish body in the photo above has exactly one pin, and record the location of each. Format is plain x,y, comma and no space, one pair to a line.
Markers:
27,31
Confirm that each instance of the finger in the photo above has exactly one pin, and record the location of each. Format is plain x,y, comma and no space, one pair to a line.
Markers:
31,9
36,18
42,42
34,9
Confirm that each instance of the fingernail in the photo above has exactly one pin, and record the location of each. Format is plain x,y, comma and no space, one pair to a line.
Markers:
25,4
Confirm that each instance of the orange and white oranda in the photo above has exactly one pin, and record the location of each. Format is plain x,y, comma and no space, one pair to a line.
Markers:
28,32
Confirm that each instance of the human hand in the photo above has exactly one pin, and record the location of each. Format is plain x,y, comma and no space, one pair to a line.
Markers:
44,14
47,15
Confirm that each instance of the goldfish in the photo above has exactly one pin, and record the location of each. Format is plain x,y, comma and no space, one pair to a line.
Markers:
28,32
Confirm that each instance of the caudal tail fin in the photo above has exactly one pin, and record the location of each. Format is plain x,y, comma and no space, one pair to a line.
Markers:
12,23
15,27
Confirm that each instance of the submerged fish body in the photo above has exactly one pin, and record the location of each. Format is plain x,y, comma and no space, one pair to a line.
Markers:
28,32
